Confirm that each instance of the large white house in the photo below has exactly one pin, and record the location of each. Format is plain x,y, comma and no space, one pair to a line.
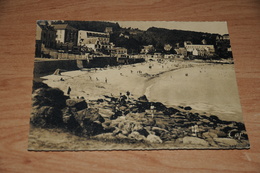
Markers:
94,40
199,49
65,33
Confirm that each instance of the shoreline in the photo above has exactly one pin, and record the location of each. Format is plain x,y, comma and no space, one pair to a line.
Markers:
204,97
92,85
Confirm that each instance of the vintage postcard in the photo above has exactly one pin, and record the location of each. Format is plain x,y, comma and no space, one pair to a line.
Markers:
134,85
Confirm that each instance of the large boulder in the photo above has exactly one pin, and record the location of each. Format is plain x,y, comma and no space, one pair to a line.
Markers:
159,106
209,135
158,131
107,126
90,121
89,115
164,134
187,108
219,133
195,141
68,117
143,99
226,142
170,111
193,117
153,139
214,118
79,104
105,113
137,136
126,127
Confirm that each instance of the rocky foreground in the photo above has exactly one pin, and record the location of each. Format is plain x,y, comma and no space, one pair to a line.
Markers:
126,119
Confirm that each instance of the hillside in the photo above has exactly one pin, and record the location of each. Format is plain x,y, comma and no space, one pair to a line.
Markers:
134,39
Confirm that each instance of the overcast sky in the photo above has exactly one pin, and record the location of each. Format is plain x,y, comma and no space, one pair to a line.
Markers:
210,27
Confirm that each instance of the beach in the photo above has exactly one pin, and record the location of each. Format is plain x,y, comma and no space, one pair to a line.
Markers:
206,87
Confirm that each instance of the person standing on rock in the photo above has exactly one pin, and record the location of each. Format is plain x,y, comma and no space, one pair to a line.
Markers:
152,108
195,130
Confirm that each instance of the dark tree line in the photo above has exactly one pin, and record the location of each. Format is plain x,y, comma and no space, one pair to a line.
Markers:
158,37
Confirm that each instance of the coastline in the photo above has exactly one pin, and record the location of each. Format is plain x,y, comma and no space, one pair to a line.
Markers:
93,84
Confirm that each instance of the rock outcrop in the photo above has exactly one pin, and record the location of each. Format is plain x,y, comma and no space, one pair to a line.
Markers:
139,120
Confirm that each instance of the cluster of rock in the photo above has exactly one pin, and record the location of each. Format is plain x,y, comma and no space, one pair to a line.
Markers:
134,121
127,119
51,108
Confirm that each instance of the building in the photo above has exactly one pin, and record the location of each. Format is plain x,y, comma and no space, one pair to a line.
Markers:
199,49
147,49
181,51
221,38
97,41
83,37
65,34
45,38
119,52
167,47
226,37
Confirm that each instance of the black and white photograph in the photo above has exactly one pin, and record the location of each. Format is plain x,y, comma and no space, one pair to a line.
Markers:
134,85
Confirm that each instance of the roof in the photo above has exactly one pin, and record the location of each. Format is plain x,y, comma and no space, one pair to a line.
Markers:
63,26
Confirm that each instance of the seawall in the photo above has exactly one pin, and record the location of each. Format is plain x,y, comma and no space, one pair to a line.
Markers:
48,66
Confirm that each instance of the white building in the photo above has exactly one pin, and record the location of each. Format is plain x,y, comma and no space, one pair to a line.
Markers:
83,37
65,33
94,40
119,52
199,49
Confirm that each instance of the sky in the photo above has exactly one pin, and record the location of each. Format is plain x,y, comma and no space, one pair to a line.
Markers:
218,27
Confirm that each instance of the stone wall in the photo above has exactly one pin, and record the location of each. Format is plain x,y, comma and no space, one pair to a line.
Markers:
44,67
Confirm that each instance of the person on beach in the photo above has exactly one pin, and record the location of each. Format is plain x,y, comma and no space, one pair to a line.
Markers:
90,77
106,80
127,95
69,90
122,99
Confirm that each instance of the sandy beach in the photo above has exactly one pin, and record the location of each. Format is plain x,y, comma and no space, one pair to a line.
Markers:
205,87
